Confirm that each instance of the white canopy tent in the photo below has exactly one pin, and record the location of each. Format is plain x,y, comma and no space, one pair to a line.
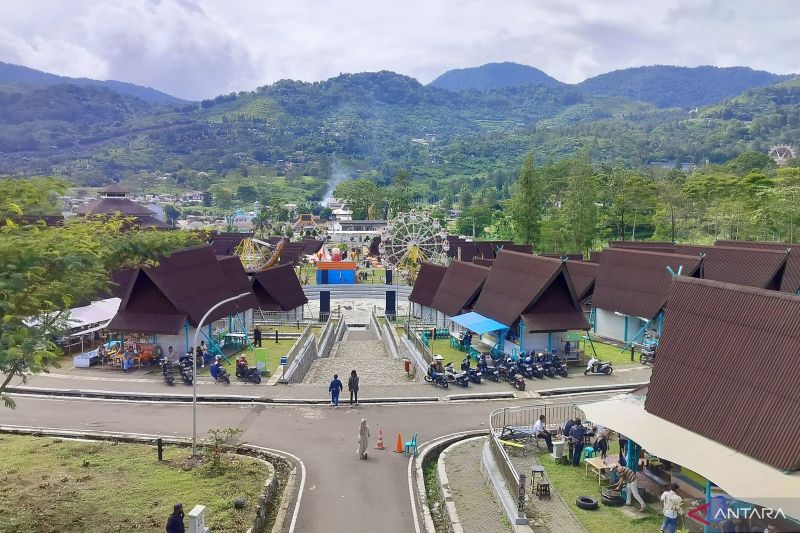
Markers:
739,475
92,317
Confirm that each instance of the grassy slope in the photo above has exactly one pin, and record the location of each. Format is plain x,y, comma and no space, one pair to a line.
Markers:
51,485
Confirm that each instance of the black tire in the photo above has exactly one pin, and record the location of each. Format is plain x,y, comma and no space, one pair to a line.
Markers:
521,385
586,503
586,372
609,370
563,373
226,379
257,379
428,378
445,384
612,502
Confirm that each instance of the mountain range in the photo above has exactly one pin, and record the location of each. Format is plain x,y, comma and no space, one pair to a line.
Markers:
376,123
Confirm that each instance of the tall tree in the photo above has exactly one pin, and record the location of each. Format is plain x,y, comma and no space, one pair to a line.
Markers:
526,203
579,209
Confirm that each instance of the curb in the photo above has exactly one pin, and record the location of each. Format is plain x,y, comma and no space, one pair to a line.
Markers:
482,396
294,462
591,388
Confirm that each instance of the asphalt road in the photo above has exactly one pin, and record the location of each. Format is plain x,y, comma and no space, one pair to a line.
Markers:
342,493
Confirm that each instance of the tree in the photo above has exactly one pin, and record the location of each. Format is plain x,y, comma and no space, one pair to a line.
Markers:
207,199
171,214
526,203
578,209
262,223
400,197
46,270
223,197
465,197
477,217
362,196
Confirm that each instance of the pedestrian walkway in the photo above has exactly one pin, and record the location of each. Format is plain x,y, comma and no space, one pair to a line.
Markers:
548,515
477,510
362,352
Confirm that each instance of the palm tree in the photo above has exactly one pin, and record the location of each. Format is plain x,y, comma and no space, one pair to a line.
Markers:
262,223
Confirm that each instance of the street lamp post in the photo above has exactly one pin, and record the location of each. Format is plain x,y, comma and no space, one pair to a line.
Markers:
194,363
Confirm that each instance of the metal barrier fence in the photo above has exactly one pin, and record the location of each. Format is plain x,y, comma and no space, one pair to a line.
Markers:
522,417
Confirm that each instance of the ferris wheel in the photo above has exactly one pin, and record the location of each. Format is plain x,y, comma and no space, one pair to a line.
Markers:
781,153
257,255
411,239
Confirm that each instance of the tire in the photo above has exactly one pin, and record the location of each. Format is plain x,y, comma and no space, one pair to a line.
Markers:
608,371
445,384
227,380
586,372
612,502
428,378
257,379
521,385
586,503
563,374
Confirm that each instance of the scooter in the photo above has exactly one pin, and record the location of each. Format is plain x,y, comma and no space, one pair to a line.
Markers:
508,371
473,374
546,363
488,372
166,371
250,374
525,368
223,376
560,368
595,366
536,367
458,377
436,378
186,370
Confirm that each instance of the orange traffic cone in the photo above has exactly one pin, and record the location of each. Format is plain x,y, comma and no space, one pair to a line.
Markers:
399,448
379,445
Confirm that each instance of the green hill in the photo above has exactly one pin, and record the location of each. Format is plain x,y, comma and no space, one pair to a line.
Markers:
493,76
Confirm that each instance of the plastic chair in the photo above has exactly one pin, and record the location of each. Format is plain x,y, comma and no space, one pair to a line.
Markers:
409,445
588,451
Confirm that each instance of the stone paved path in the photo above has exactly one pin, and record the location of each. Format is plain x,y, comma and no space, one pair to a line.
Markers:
361,351
547,516
477,510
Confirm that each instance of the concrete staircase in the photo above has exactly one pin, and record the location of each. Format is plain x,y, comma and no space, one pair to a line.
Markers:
359,350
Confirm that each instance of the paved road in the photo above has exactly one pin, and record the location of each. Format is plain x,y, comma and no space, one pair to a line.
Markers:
341,493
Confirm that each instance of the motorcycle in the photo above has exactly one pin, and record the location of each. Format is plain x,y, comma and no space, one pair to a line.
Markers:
526,367
473,374
546,363
560,368
488,372
186,370
457,377
223,376
250,374
595,366
166,371
511,375
648,355
436,378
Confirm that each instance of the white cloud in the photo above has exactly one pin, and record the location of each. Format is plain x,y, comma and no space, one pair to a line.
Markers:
199,48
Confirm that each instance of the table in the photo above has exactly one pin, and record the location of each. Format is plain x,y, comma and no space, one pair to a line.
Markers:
237,339
598,467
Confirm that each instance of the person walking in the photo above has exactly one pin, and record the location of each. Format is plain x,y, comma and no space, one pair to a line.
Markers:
627,477
335,388
672,505
363,439
352,386
257,337
175,520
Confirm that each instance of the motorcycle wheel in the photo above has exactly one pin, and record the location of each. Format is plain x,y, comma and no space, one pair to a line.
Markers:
257,379
608,371
521,385
445,384
227,380
428,378
586,372
564,373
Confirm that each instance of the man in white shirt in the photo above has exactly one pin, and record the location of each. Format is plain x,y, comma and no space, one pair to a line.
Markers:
672,505
541,432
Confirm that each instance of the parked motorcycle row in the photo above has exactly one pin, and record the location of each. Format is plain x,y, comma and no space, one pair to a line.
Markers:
219,373
532,366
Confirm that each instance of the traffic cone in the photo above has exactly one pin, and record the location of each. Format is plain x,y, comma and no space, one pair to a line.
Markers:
399,448
379,445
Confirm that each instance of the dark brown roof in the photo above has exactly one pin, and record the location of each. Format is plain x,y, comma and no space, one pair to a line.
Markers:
488,249
520,248
278,289
292,253
483,262
459,288
520,284
557,308
636,283
237,280
571,257
468,249
115,188
148,221
583,275
147,323
110,206
188,282
226,243
791,276
752,267
594,256
647,246
311,246
728,374
427,283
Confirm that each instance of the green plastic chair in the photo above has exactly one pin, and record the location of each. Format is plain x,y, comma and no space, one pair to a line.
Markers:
409,445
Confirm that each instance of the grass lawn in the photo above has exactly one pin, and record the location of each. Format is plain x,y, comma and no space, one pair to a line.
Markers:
442,346
572,482
53,485
608,352
274,350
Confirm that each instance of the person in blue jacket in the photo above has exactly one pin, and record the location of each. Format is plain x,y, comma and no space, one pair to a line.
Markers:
335,388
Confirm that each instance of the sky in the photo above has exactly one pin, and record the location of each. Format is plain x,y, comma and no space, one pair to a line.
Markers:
197,49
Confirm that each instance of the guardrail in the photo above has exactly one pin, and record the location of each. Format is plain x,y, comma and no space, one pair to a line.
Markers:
300,356
327,338
522,417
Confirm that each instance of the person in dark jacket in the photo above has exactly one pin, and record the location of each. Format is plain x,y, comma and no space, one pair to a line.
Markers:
175,520
335,388
577,433
352,386
257,337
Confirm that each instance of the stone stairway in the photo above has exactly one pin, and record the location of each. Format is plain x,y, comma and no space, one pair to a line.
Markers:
359,350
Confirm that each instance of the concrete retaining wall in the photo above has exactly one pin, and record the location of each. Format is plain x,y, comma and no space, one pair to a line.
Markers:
302,355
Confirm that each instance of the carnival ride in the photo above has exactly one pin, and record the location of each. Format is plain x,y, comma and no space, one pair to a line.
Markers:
257,255
411,239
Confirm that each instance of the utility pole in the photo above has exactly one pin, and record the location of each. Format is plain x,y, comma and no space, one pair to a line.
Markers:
473,228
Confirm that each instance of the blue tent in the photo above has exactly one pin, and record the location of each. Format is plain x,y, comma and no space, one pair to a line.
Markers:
478,323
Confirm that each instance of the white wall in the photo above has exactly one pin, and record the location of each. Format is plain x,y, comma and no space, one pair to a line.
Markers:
609,325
